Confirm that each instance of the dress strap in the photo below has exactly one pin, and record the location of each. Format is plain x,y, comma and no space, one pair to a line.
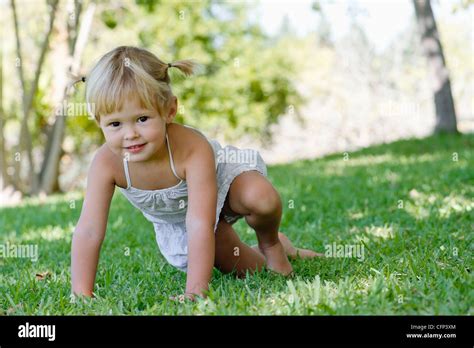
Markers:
171,158
127,175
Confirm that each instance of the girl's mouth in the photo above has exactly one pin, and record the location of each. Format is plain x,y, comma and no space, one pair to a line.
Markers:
135,148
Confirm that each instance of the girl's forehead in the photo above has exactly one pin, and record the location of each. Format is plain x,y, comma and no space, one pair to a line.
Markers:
130,107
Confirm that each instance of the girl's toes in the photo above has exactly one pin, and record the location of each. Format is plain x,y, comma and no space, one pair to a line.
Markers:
290,250
307,254
296,253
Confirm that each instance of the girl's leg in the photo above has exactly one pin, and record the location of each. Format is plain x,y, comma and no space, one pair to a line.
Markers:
291,251
232,254
254,197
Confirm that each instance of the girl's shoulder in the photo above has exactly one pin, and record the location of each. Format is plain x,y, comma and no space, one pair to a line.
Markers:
184,139
110,163
185,131
186,142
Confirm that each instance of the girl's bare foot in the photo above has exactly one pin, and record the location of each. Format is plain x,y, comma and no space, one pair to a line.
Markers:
276,262
276,259
293,252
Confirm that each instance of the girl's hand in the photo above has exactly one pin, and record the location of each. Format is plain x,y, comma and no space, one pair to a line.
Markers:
183,297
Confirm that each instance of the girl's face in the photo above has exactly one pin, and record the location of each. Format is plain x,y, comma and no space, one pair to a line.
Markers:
136,133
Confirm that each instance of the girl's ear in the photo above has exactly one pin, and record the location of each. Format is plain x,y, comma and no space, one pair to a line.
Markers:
172,110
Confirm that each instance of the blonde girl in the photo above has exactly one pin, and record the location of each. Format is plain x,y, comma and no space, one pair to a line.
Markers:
188,186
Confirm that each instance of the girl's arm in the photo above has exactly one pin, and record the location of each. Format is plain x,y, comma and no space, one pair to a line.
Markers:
90,230
201,215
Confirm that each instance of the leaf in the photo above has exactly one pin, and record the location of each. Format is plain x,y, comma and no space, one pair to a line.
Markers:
43,276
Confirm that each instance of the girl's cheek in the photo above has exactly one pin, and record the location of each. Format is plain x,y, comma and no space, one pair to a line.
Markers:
110,136
150,134
107,138
157,134
113,141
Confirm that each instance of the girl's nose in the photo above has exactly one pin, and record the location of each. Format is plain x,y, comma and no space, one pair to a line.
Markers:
130,133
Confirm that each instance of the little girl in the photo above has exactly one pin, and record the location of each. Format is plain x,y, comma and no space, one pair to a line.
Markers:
190,187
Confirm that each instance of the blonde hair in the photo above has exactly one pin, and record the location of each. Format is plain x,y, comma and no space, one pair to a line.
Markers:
128,71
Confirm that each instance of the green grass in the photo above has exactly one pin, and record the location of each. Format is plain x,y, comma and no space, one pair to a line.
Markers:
408,203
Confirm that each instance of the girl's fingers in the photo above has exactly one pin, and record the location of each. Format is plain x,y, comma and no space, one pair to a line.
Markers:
182,298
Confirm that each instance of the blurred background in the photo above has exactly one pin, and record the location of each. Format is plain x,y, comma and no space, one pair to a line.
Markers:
293,79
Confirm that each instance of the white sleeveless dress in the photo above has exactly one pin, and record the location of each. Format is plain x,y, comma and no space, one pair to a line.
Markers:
166,208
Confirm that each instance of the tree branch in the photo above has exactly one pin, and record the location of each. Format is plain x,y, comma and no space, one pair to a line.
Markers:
25,135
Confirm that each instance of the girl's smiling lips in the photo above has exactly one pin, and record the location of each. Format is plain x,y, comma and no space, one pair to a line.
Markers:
136,148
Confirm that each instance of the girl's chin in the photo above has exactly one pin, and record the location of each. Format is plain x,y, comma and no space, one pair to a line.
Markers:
146,153
134,157
140,156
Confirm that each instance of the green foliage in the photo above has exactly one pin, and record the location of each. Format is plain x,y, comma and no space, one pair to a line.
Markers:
246,80
108,17
417,258
81,124
462,5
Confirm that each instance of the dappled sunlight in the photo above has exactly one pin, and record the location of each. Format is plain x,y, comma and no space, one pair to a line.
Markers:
375,235
384,232
455,204
300,294
40,200
387,176
338,166
11,236
363,233
423,204
356,215
322,296
361,160
420,159
49,233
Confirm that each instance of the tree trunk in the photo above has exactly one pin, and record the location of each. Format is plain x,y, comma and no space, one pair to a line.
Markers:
28,96
4,180
444,104
49,175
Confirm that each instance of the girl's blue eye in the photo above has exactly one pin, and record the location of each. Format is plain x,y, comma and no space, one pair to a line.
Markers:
114,124
143,118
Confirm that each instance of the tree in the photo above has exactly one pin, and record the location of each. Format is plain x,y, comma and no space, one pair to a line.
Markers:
28,94
70,48
3,168
247,79
246,82
444,103
70,39
323,27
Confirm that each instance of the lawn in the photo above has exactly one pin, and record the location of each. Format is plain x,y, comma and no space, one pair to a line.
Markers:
407,205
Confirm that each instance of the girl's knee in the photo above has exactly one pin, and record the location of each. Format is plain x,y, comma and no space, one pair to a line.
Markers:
265,201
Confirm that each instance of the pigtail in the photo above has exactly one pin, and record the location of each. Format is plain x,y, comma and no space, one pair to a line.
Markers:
188,67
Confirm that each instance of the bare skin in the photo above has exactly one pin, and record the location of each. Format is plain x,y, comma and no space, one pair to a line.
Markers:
291,251
254,197
250,195
274,248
